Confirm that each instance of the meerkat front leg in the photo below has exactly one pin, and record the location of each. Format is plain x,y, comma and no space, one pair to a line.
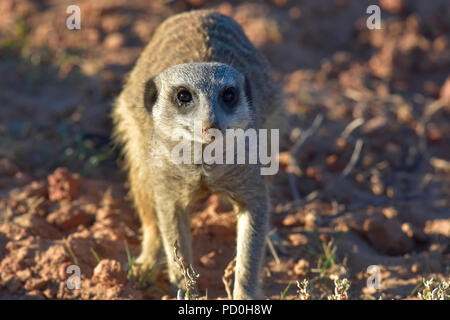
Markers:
252,228
151,253
174,226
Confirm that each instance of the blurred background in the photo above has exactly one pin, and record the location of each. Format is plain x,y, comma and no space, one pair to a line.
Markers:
368,184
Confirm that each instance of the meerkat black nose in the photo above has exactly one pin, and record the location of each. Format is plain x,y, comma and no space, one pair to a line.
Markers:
210,125
206,127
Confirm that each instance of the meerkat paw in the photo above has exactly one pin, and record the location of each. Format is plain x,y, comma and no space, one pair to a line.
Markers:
242,295
144,270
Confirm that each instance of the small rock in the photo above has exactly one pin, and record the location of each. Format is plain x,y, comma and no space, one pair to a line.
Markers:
208,260
112,293
387,235
291,220
109,271
393,6
63,185
114,41
390,213
48,293
23,275
35,284
351,221
438,226
103,214
34,295
36,189
301,267
68,218
62,271
297,239
406,228
38,225
14,285
415,268
92,36
312,219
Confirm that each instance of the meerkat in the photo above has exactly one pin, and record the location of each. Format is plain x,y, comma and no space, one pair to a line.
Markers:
198,66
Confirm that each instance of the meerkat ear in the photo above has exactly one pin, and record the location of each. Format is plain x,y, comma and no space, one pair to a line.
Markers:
248,91
150,94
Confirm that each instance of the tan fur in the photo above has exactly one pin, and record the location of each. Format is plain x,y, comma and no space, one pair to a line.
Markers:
196,36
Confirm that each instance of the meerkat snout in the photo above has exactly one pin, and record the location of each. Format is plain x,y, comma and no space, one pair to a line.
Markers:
207,135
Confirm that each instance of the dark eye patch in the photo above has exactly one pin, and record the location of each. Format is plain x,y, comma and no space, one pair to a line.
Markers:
229,96
150,94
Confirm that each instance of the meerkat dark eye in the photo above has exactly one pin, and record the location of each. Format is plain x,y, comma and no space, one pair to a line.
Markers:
184,96
229,96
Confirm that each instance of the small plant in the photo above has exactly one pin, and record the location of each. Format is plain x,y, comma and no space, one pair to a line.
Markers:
95,254
130,261
303,290
81,150
340,289
283,294
72,255
328,256
328,264
18,41
227,278
440,292
190,277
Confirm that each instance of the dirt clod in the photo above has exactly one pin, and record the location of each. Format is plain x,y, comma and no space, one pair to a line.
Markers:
387,235
68,218
63,185
109,271
301,267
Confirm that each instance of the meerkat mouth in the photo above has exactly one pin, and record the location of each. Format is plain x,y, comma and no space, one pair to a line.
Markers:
206,140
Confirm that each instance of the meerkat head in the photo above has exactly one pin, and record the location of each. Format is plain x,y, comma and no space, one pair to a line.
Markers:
209,95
